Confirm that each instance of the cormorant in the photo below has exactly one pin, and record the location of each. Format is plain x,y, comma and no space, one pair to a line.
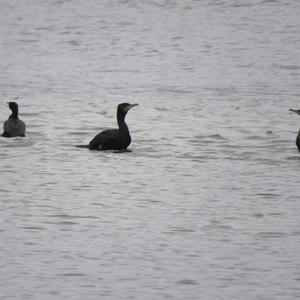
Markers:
113,139
13,126
297,111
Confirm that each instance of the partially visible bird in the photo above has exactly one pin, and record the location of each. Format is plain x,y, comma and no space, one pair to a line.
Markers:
113,139
297,111
13,126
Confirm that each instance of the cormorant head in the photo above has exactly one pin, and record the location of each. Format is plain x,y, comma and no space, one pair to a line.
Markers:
13,106
296,111
125,107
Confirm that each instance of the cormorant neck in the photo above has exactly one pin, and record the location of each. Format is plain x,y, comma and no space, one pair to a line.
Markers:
121,120
14,114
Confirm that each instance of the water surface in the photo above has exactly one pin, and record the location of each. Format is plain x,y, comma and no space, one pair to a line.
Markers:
206,206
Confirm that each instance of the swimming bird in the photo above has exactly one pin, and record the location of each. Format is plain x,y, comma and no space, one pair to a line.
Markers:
297,111
13,126
113,139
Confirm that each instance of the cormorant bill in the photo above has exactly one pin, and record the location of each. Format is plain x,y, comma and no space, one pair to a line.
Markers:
13,126
113,139
297,111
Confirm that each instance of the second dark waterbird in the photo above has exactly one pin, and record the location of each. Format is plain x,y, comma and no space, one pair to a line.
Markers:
297,111
13,126
113,139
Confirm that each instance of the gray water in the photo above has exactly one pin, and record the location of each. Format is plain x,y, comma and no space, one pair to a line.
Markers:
206,206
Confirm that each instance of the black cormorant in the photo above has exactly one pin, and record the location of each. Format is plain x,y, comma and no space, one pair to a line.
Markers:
113,139
13,126
297,111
